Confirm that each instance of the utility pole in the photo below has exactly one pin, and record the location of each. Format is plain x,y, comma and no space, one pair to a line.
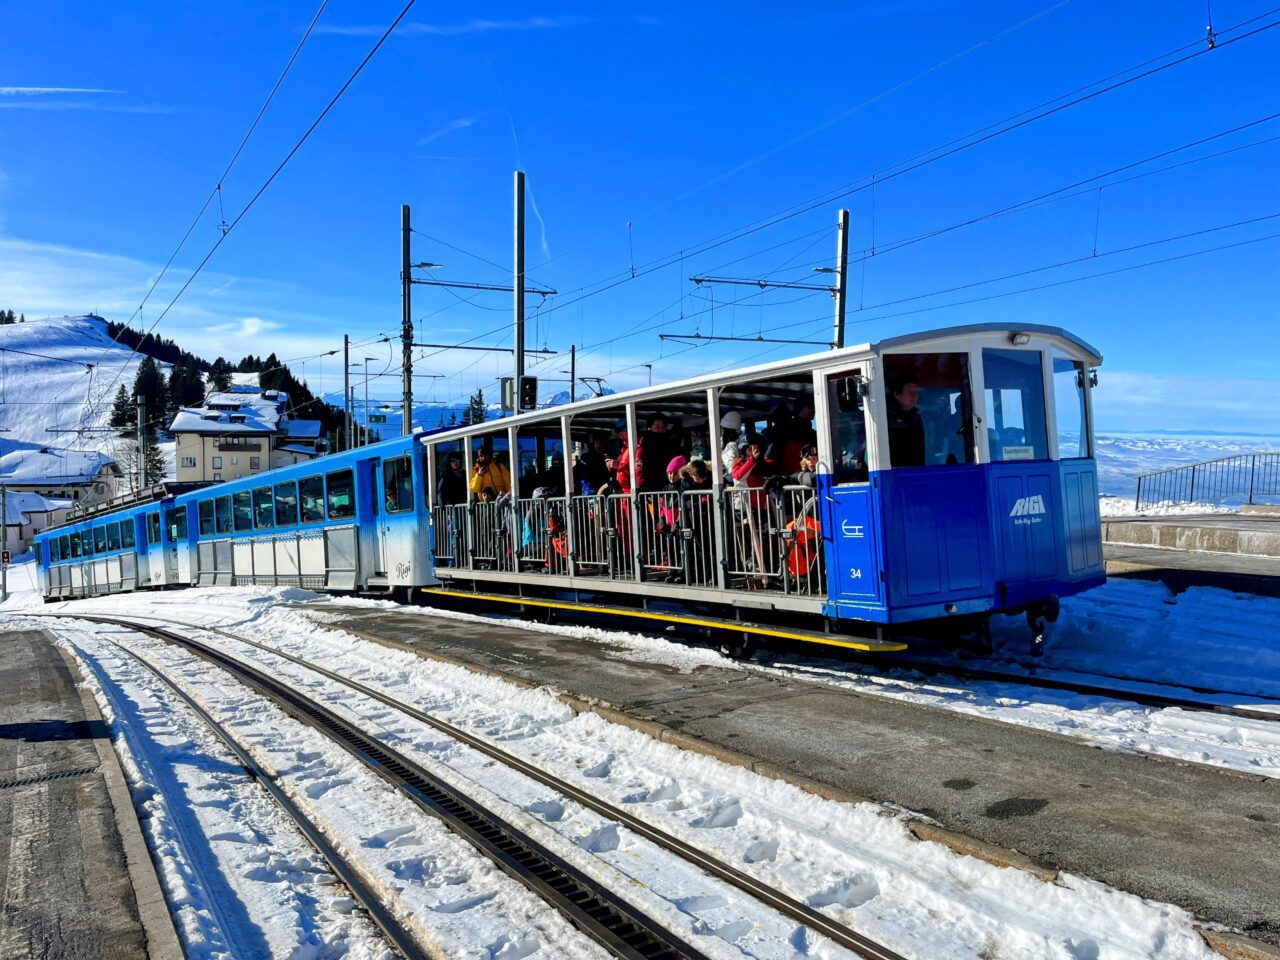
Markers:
4,567
346,390
842,276
518,284
573,370
142,460
366,401
406,324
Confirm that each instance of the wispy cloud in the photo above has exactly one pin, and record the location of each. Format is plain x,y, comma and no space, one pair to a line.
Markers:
245,327
452,127
97,105
418,29
42,91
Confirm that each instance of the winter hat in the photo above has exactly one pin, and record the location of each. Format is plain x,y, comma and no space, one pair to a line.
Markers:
731,420
677,464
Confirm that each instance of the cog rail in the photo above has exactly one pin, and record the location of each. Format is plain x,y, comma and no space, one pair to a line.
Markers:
858,943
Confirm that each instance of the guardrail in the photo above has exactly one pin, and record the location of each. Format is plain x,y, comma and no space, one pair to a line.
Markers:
1243,478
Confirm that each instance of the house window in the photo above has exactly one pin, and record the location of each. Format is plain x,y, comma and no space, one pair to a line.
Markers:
188,461
255,463
235,461
217,464
217,477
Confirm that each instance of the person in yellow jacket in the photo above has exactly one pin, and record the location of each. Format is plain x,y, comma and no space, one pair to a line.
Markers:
489,475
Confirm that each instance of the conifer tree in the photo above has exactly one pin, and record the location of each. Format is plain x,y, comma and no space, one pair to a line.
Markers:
220,376
475,412
122,413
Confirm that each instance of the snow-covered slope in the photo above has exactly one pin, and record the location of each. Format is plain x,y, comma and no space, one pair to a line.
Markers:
40,391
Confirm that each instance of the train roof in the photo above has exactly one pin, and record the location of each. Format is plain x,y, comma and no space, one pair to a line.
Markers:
665,395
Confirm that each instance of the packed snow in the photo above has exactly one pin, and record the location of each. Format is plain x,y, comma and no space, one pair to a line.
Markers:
851,860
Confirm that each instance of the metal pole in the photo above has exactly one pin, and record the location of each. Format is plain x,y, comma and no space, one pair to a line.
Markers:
842,276
573,370
406,325
346,389
366,402
518,285
4,567
142,466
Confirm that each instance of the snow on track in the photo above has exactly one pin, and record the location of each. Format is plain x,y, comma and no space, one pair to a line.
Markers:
853,861
239,878
451,896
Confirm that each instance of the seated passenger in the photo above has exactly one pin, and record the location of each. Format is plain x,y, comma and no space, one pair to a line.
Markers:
906,427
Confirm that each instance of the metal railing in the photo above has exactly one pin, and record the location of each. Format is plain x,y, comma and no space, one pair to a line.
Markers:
771,540
1244,478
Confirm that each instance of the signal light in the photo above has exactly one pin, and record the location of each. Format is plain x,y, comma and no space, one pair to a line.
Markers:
528,393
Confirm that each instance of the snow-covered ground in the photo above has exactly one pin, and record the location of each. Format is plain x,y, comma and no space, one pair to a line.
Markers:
851,860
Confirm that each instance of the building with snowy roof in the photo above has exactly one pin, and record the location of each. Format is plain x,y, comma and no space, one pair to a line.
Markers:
239,433
26,514
85,476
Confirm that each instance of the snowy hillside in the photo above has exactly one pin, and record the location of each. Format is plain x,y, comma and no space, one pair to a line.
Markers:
50,404
39,391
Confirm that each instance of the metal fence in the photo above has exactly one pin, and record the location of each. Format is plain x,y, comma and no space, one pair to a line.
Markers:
760,540
1244,478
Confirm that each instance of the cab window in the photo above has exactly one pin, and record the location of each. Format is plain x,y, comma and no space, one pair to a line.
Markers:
127,534
206,518
928,409
286,504
1014,395
311,493
397,485
264,515
340,486
242,508
223,514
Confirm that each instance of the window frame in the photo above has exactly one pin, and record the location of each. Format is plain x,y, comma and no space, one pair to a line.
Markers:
242,511
404,462
99,540
65,546
175,519
318,479
288,486
200,518
350,512
258,504
991,416
128,534
1053,357
153,529
221,513
76,550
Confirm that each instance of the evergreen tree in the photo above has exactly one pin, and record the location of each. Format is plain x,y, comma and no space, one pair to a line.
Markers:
475,412
6,316
149,384
220,376
152,460
186,387
453,418
122,412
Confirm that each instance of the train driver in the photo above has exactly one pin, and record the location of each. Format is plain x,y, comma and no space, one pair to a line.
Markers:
906,427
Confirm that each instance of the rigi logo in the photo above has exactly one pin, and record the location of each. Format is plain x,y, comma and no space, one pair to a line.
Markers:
1028,507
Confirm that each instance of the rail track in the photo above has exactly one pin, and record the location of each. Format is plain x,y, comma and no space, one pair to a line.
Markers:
402,941
593,909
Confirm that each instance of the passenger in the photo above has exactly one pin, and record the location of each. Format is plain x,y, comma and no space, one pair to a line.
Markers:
489,475
667,549
695,477
653,452
730,428
785,439
804,477
591,472
906,427
750,471
451,488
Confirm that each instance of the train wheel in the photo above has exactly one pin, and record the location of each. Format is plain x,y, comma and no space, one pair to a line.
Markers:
737,646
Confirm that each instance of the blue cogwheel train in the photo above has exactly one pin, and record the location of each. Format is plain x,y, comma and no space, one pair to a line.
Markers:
915,485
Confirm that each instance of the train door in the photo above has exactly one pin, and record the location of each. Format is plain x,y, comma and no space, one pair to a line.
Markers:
850,501
398,542
155,571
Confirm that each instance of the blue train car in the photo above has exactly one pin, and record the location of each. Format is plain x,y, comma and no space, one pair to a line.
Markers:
935,478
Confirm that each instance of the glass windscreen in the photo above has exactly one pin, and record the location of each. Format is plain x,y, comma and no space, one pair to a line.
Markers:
311,495
848,429
264,514
341,494
1069,403
928,409
1014,394
286,504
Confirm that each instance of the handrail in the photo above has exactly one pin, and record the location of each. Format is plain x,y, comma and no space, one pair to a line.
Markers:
1243,476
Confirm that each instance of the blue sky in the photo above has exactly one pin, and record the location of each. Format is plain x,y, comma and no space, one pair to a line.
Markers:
688,122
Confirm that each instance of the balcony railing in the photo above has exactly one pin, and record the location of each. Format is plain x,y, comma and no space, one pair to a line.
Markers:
234,443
